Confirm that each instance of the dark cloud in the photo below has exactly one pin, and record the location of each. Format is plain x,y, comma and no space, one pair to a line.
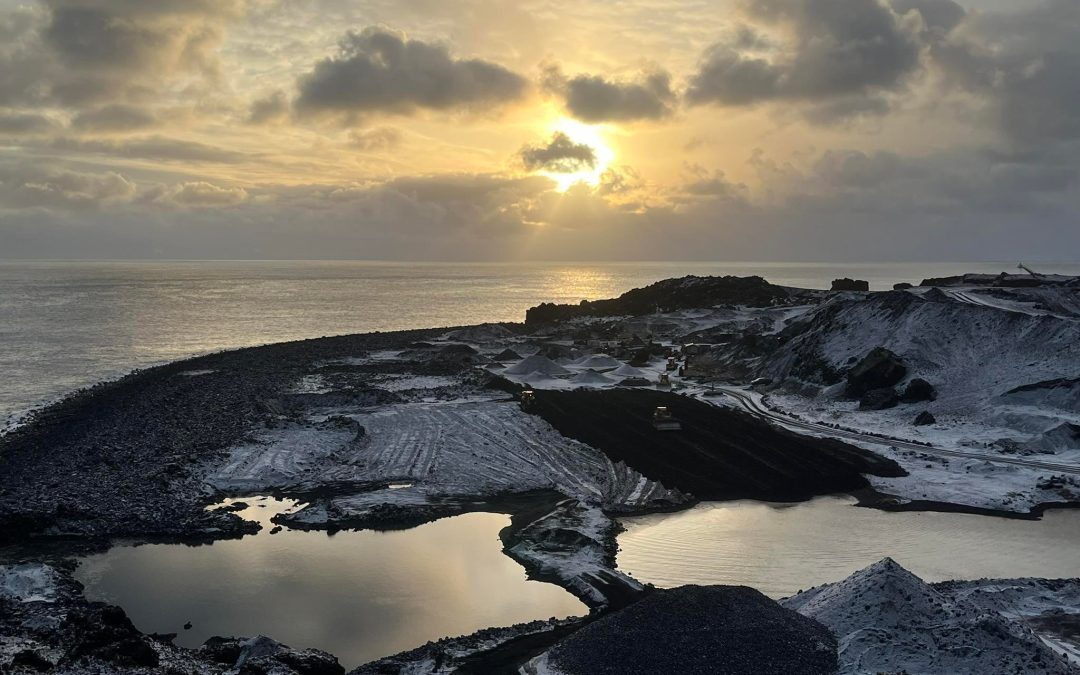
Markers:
559,155
127,35
380,71
1022,67
270,109
115,117
75,53
716,186
592,98
26,124
939,15
838,48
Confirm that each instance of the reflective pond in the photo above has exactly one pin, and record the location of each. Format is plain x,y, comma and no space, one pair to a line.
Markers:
357,595
781,548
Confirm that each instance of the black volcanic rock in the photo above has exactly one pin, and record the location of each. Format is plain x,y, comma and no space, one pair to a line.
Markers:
846,284
719,453
670,294
877,370
507,355
879,399
902,286
721,630
918,390
924,418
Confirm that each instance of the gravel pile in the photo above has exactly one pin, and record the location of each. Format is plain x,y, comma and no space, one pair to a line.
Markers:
720,630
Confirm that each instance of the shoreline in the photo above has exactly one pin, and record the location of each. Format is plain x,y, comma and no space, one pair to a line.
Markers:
242,392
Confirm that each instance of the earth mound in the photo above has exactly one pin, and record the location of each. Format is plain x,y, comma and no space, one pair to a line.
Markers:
721,630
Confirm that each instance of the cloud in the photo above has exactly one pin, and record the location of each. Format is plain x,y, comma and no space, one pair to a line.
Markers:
833,49
381,71
592,98
375,140
126,35
26,124
153,147
74,53
115,117
939,15
201,193
270,109
1021,67
31,187
559,155
713,186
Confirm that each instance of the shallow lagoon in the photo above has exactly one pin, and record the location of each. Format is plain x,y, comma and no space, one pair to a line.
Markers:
363,595
782,548
358,595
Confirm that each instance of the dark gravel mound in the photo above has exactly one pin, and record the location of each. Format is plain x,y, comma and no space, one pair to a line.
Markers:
919,390
847,284
721,630
671,294
718,454
879,369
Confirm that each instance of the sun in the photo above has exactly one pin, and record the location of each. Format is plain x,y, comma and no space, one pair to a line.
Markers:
591,135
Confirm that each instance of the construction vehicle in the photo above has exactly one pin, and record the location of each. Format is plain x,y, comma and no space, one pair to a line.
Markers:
1030,271
663,420
528,398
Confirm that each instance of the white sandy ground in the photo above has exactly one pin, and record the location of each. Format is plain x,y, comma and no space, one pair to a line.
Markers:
970,482
886,620
468,449
1025,600
29,582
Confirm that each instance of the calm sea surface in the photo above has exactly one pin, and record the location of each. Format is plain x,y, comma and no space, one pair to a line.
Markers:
65,325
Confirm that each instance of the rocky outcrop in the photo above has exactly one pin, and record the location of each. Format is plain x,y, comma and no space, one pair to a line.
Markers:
902,286
879,369
731,630
925,418
919,390
846,284
1002,280
671,294
46,625
879,399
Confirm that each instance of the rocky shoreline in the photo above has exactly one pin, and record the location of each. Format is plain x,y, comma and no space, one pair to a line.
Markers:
391,430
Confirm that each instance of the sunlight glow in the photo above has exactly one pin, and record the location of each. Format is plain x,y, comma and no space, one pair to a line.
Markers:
588,134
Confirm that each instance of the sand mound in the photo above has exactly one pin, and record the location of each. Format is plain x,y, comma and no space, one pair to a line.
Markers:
887,619
536,364
591,377
599,362
626,370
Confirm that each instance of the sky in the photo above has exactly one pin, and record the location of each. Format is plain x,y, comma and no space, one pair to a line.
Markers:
514,130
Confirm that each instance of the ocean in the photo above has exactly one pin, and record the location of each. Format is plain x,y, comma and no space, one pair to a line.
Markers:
66,325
